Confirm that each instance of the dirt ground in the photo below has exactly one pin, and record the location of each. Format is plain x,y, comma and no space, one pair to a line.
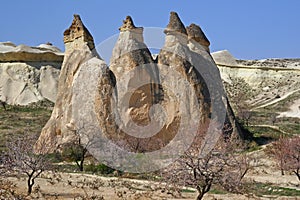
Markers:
83,186
79,186
87,186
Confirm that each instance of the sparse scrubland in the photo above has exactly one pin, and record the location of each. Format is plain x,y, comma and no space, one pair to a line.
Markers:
263,180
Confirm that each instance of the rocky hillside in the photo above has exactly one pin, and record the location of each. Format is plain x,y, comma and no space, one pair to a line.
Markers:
265,83
28,74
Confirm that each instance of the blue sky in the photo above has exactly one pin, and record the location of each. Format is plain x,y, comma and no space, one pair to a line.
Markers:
253,29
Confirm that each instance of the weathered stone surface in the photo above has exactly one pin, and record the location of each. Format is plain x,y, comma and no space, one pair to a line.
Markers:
195,33
190,56
265,80
175,25
175,58
78,55
136,76
28,74
9,52
76,34
224,58
127,24
205,64
48,82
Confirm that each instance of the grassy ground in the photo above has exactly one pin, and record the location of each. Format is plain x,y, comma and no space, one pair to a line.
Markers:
16,120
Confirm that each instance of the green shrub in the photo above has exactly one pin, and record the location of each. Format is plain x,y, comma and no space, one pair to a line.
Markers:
99,169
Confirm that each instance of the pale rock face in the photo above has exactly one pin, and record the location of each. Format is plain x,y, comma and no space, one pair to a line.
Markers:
137,79
9,52
55,131
78,33
224,58
25,83
48,82
205,64
23,70
175,57
189,54
267,79
78,53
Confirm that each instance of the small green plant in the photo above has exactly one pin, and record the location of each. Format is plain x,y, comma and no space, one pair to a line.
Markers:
99,169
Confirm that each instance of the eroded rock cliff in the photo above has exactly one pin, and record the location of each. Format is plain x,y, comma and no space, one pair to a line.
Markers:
28,74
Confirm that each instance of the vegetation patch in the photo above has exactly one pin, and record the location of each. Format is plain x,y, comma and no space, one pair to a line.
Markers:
263,189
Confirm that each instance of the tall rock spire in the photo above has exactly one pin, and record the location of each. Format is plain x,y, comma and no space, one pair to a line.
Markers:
77,33
137,86
83,77
195,33
175,25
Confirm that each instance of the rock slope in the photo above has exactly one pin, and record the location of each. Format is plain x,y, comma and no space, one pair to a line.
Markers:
267,81
28,74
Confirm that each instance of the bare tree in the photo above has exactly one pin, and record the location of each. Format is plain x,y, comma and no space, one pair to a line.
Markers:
279,151
287,153
221,166
294,156
77,148
21,158
237,166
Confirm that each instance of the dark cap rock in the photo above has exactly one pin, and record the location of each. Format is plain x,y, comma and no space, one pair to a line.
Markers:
128,25
78,30
175,25
195,33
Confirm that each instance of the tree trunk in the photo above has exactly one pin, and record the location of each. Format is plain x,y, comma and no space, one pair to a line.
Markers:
282,166
3,104
30,183
81,166
297,172
82,159
200,195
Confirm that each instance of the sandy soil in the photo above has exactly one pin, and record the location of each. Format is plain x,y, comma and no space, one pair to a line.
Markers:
87,186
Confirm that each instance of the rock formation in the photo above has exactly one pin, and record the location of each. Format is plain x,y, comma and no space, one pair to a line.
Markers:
264,80
195,33
135,72
141,105
81,65
9,52
189,54
175,25
224,58
28,74
77,34
174,59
